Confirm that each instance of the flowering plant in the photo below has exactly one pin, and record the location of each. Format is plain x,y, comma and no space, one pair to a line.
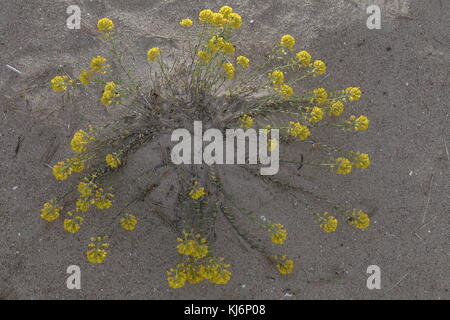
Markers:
211,79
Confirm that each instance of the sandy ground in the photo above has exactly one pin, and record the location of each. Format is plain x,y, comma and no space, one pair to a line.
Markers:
403,70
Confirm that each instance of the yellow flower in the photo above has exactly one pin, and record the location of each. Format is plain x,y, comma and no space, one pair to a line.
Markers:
235,21
320,67
359,219
96,255
316,115
128,222
362,160
226,11
337,108
298,130
105,25
217,19
98,252
98,63
328,223
61,171
243,61
320,95
85,76
76,164
86,189
354,93
113,160
204,56
278,234
50,211
284,265
59,83
215,43
285,91
80,140
102,200
361,123
153,53
109,93
192,245
304,58
205,16
344,166
216,271
197,193
228,68
277,77
73,225
82,204
246,120
178,279
194,274
187,23
287,41
228,48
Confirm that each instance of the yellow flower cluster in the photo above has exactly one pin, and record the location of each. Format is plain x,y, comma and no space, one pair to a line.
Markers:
204,56
243,61
336,108
287,41
213,270
344,166
320,67
359,124
73,224
359,219
277,78
354,94
199,265
217,43
304,58
113,160
328,223
285,91
60,83
153,53
246,121
63,169
80,141
362,160
128,222
187,23
50,211
197,192
85,76
92,194
105,25
298,130
225,17
315,115
284,265
97,252
320,96
278,233
98,63
109,93
192,245
279,86
229,70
